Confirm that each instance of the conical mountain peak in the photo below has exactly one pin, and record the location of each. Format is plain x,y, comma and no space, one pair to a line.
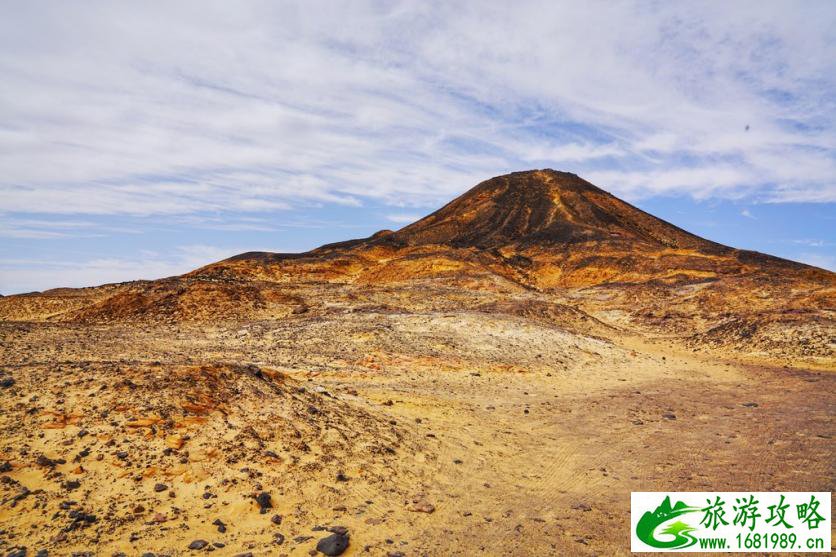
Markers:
541,207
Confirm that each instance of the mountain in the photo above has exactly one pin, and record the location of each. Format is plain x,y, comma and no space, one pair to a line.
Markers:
539,231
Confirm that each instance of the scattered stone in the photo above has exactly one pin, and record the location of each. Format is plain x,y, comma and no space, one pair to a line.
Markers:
335,544
277,519
221,526
582,507
5,467
198,544
80,519
341,477
669,416
278,539
5,383
264,501
21,552
750,404
47,462
421,505
160,487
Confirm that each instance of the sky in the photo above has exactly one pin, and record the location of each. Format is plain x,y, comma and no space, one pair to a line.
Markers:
145,139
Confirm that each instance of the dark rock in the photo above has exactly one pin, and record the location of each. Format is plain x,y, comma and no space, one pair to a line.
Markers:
221,526
122,455
750,404
5,383
160,487
264,501
277,519
335,544
342,477
669,416
582,507
21,552
198,544
80,519
278,539
71,485
42,553
47,462
5,467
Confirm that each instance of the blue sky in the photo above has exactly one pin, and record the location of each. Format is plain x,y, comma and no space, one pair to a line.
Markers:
140,140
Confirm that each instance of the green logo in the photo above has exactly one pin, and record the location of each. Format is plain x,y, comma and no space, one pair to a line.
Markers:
681,532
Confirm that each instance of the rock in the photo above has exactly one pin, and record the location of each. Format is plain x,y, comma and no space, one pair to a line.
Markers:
80,519
174,441
582,507
264,501
335,544
5,383
198,544
277,519
421,505
71,485
669,416
221,526
342,477
278,539
42,553
47,462
160,487
750,404
5,467
21,552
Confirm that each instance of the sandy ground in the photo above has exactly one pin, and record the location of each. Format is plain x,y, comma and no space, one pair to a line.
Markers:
520,437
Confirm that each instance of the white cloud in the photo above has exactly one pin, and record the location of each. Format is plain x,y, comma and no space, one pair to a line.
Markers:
155,108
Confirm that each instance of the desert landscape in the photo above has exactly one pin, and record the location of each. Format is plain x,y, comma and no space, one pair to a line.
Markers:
493,379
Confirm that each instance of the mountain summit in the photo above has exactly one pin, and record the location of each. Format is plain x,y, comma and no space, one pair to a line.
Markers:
542,208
